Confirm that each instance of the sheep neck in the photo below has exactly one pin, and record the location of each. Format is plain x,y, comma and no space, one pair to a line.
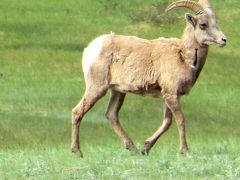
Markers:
200,52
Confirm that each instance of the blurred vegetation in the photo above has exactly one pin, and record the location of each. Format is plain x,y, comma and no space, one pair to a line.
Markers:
154,14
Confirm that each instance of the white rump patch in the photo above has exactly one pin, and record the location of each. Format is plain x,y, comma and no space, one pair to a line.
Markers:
91,53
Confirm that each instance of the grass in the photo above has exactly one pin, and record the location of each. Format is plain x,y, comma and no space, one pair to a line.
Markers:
41,80
110,163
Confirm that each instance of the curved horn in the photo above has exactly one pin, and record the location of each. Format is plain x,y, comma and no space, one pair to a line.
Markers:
197,8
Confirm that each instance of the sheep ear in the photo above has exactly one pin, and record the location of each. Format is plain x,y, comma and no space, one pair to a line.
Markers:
191,20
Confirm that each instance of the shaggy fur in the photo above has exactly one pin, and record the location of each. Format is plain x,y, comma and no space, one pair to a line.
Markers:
166,68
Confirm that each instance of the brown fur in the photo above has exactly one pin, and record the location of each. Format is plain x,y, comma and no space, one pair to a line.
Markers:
166,68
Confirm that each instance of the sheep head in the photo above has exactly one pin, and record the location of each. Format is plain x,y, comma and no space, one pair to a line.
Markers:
204,22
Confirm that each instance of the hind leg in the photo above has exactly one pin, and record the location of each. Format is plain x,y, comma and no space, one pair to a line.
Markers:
91,96
114,106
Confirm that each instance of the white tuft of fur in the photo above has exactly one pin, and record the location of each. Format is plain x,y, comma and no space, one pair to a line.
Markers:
91,52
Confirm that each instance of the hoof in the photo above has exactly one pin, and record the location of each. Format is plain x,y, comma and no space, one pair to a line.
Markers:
185,151
77,152
144,152
130,147
146,148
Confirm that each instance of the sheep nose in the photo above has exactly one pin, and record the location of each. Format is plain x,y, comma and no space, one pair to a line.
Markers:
224,40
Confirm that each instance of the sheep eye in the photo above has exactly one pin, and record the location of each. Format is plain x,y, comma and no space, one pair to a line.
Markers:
203,26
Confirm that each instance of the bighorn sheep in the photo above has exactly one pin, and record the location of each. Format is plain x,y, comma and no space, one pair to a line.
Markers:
161,67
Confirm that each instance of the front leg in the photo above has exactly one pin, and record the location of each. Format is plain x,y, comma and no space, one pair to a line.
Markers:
164,127
173,102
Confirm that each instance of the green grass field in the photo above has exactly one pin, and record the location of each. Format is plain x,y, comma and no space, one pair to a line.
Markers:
41,80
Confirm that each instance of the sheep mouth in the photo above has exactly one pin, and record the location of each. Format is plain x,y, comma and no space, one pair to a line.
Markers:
222,44
208,43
